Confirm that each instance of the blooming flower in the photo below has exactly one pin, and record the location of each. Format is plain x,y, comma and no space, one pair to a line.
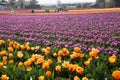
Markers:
10,49
28,62
48,74
58,68
19,54
71,68
4,58
45,65
116,75
65,64
112,59
4,77
2,42
54,54
10,55
87,63
77,49
84,78
11,61
20,64
80,70
41,78
1,65
76,78
29,68
22,47
94,53
49,61
3,53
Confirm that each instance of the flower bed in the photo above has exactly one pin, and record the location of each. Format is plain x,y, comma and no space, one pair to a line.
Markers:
64,47
27,61
85,30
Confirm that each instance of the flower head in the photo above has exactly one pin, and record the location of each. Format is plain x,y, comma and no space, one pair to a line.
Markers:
58,68
48,73
4,77
116,75
76,78
41,78
112,59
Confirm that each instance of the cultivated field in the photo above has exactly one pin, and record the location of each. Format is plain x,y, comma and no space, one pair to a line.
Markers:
72,45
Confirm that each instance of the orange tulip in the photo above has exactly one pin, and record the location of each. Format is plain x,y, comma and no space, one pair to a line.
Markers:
65,52
40,60
72,56
22,47
19,54
4,77
84,78
11,61
10,49
58,68
45,65
29,68
4,58
10,55
28,62
60,53
8,40
65,64
32,48
112,59
15,45
48,74
1,65
54,54
77,49
79,70
76,78
87,63
20,64
28,48
41,78
48,48
116,75
59,59
10,43
81,55
94,53
2,42
37,47
71,68
3,53
49,61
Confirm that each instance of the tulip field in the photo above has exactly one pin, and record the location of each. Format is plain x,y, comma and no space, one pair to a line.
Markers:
60,47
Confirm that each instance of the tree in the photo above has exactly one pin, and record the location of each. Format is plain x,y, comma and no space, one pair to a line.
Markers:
21,3
12,3
33,2
100,3
117,3
110,3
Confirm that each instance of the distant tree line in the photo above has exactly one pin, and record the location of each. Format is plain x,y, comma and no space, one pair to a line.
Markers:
21,4
108,3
